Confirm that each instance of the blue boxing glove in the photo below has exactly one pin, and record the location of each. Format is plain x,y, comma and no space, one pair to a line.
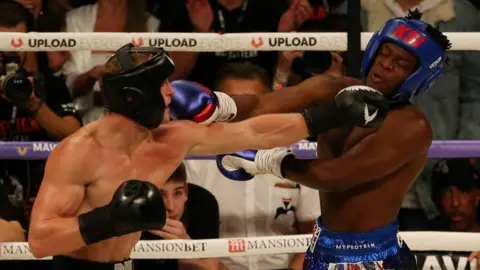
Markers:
244,165
193,101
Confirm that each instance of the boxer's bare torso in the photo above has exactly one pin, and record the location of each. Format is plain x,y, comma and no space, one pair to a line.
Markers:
116,150
85,170
374,204
352,202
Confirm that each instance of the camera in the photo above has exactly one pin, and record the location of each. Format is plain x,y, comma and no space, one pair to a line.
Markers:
314,62
14,79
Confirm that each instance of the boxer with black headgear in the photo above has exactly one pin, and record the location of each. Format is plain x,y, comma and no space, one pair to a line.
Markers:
100,187
133,90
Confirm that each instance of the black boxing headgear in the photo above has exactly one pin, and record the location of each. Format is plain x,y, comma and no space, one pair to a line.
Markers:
134,91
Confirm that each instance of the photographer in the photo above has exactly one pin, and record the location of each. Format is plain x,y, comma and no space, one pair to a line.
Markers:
296,66
49,103
33,107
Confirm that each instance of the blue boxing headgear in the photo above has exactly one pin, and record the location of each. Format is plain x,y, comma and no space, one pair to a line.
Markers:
411,35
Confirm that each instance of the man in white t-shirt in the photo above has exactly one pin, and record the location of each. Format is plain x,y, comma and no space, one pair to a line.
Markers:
265,206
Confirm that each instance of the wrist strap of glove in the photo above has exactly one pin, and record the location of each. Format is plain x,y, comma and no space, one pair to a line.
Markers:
270,161
227,109
96,225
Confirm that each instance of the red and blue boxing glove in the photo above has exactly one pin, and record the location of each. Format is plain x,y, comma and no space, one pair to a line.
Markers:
195,102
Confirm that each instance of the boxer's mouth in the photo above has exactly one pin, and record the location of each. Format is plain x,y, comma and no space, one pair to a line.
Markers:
376,78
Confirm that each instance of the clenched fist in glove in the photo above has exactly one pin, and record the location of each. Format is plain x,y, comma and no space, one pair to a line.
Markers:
357,105
136,206
193,101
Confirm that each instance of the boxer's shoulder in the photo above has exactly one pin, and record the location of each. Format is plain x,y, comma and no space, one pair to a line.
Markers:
349,80
409,115
80,147
406,123
73,161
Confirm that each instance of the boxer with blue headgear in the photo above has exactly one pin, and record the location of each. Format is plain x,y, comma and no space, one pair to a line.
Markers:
362,174
404,36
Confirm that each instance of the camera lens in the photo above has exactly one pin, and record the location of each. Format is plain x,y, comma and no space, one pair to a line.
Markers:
17,88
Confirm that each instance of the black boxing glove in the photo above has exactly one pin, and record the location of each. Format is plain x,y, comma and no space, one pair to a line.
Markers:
357,105
136,206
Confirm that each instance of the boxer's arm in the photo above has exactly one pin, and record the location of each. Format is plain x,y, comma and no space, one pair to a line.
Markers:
315,90
262,132
376,156
54,215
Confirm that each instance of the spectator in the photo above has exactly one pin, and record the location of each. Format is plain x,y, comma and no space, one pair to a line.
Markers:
296,66
224,16
48,115
11,231
452,104
324,8
60,122
456,192
10,228
192,213
239,78
52,19
47,16
85,67
264,206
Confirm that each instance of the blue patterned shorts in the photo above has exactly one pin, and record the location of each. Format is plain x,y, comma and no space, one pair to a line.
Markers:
377,249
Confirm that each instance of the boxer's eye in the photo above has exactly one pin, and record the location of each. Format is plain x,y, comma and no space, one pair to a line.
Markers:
404,64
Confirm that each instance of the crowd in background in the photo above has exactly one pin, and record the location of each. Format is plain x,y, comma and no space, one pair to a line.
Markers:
444,197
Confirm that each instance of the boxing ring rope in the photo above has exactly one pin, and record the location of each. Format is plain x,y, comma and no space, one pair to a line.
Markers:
228,247
201,42
211,42
303,149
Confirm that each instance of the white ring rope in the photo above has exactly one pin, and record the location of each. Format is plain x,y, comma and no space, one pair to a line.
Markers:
228,247
200,42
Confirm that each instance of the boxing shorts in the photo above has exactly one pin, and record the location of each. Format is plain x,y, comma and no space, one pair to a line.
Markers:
67,263
377,249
